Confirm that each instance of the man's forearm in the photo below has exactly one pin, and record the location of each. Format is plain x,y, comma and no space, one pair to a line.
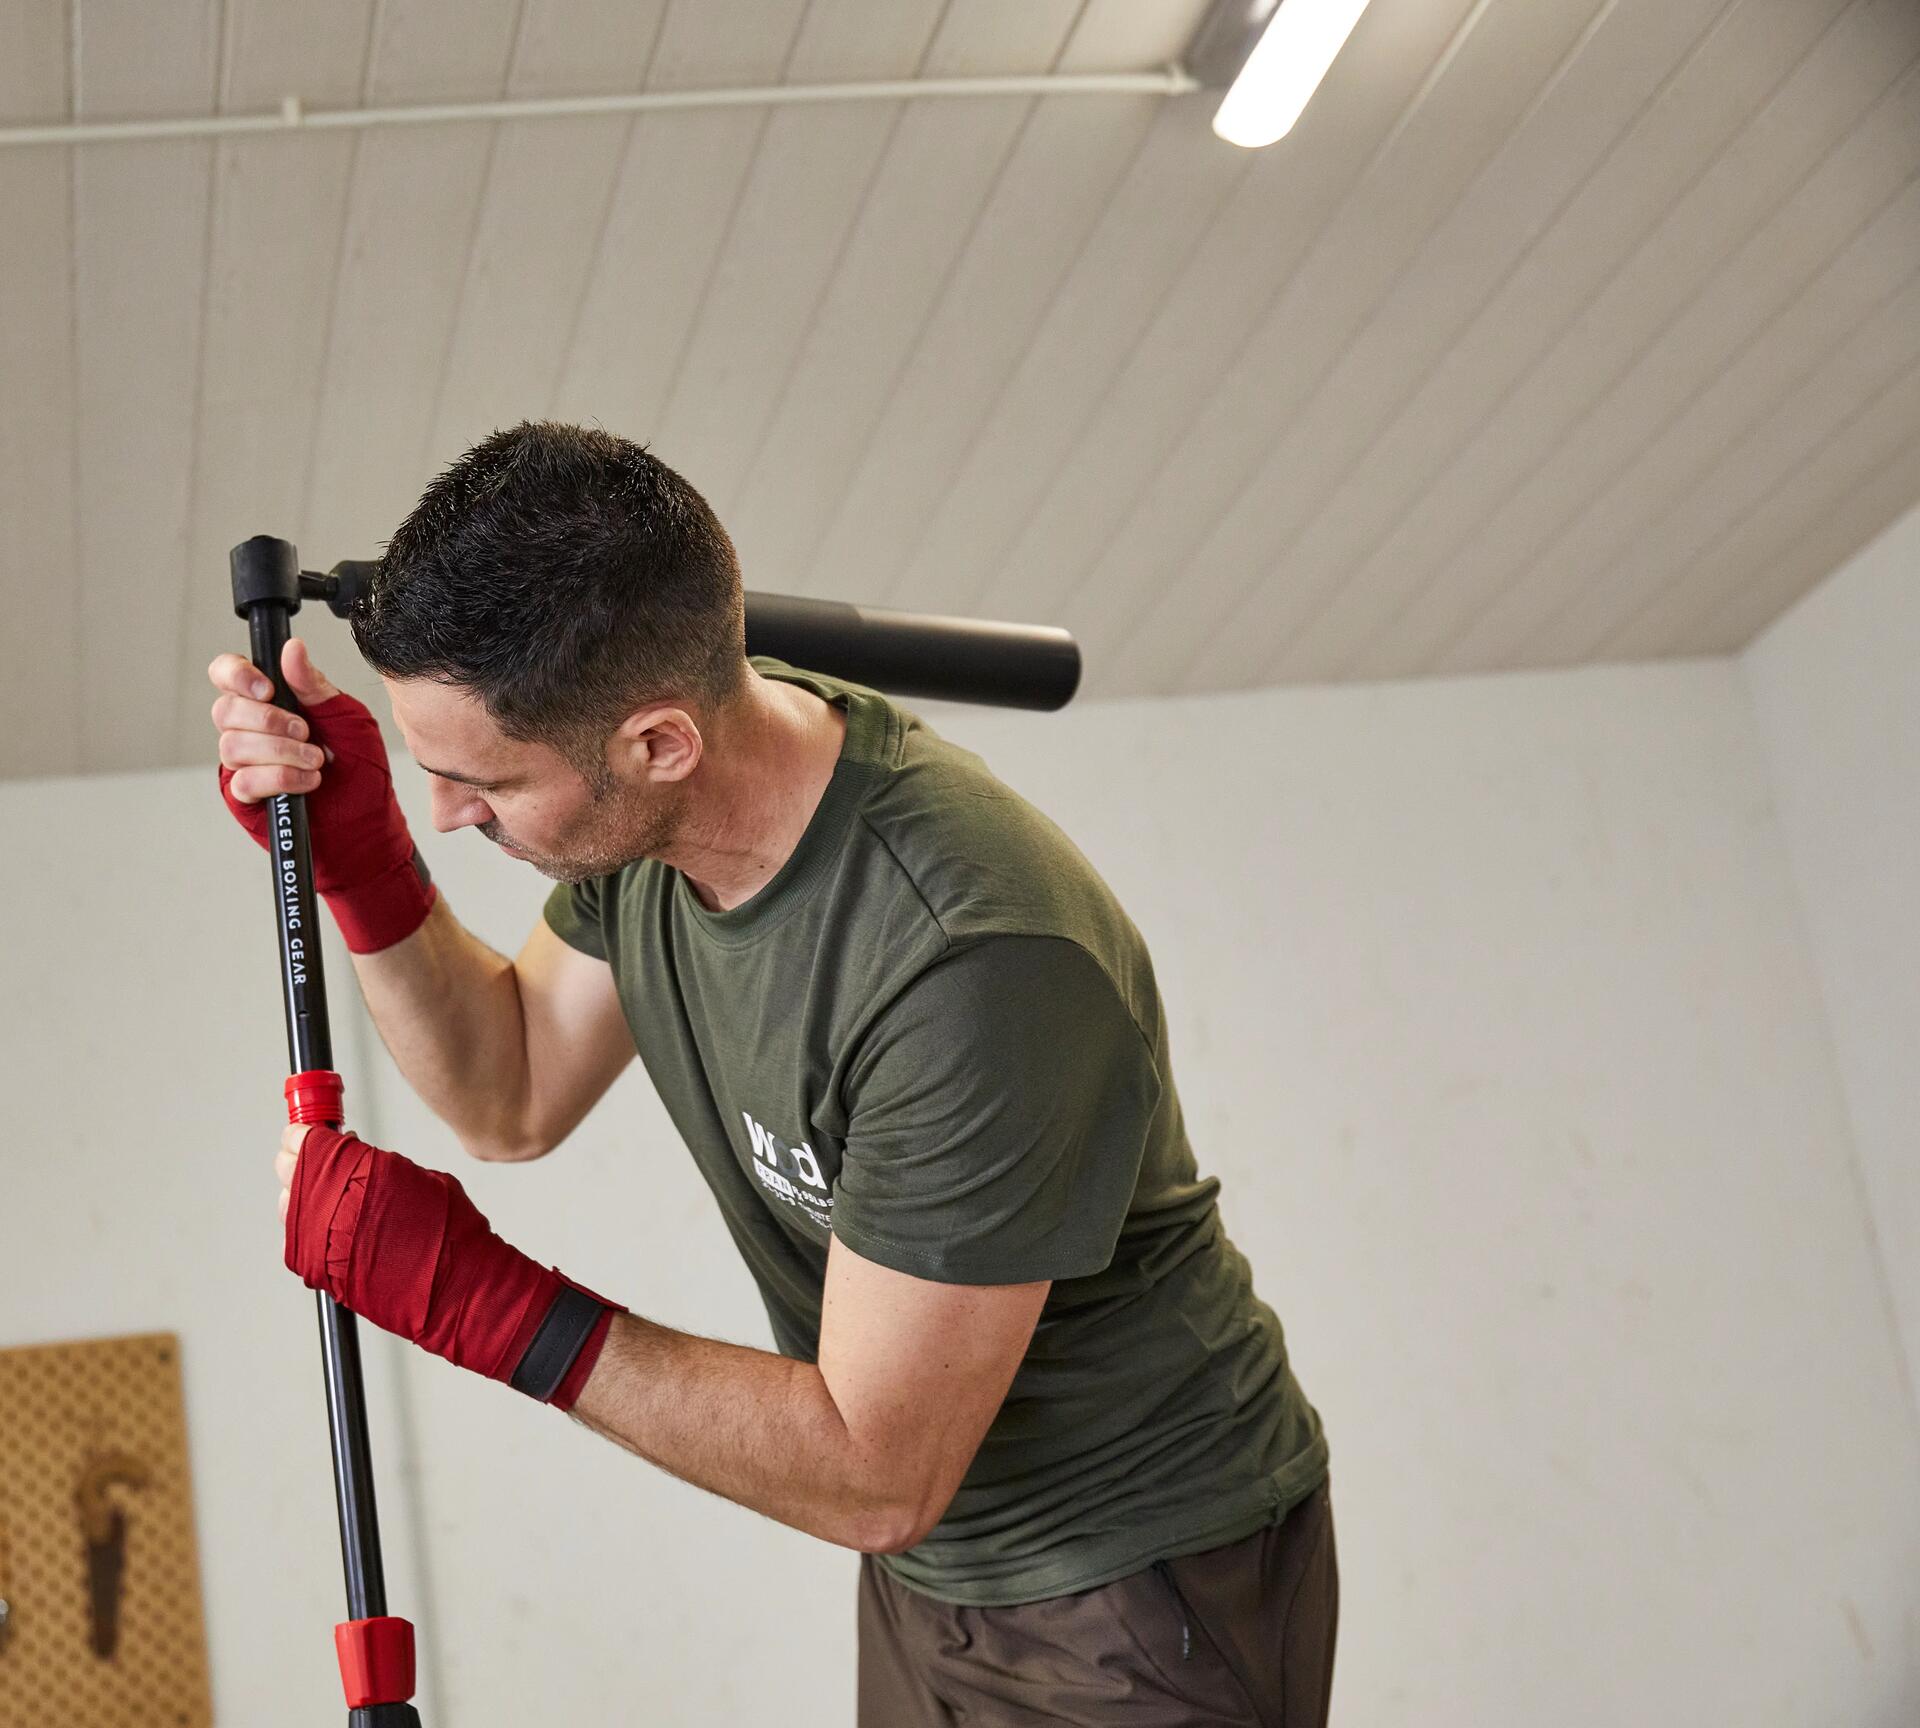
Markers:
448,1009
760,1429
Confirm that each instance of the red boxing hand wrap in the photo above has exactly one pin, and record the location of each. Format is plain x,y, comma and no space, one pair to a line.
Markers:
364,862
407,1251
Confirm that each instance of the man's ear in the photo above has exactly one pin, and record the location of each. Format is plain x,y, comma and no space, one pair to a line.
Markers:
661,745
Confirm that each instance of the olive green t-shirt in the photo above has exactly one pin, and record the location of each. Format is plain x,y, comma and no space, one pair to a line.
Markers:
935,1034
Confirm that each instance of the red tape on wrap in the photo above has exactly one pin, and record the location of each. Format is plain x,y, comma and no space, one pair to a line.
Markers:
316,1096
376,1660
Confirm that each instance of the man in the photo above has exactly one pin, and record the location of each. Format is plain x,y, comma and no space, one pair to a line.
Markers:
913,1044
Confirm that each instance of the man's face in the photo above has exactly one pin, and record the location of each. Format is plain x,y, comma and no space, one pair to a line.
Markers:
526,798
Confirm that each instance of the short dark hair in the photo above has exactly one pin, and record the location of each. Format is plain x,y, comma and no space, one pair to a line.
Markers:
565,576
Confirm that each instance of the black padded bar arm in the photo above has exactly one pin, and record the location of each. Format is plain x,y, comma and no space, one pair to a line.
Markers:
904,653
918,654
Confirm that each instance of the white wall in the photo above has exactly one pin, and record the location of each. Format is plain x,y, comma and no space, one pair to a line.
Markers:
142,1050
1492,1007
1836,685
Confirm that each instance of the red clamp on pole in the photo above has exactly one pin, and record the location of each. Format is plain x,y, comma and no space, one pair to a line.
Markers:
316,1097
376,1660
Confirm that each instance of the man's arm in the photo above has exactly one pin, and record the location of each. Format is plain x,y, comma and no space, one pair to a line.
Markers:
867,1447
510,1054
980,1158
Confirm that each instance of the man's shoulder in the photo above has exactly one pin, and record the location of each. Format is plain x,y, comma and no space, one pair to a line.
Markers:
981,858
967,857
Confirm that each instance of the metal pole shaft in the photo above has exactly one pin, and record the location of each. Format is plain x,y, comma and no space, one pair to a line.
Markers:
310,1045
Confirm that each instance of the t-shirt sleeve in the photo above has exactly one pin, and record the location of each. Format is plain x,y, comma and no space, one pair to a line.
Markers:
573,914
998,1111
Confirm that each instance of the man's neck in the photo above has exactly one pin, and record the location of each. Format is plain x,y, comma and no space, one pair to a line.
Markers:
762,780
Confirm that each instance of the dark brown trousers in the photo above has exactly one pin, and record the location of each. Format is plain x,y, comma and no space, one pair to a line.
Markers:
1240,1635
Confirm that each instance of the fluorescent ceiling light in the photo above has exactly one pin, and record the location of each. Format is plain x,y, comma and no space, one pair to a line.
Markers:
1284,70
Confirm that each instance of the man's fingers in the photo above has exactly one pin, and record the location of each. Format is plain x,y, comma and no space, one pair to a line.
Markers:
256,749
250,785
240,714
235,673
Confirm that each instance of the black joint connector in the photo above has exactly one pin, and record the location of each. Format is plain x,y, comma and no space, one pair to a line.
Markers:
347,582
341,586
266,571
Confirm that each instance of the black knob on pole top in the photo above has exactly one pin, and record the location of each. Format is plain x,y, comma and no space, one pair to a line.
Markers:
265,571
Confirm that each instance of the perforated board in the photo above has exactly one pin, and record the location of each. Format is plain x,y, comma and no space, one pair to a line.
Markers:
95,1433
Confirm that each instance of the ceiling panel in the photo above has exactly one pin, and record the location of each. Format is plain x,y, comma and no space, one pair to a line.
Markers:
788,229
40,650
1651,434
1387,525
1557,331
1671,308
673,204
140,239
941,163
1589,105
1765,414
542,211
1065,164
1248,253
1470,121
1864,475
278,206
400,263
1169,196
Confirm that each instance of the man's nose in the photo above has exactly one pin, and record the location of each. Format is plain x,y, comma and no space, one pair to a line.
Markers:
457,806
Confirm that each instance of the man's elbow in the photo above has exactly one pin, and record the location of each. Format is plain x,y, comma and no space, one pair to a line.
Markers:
505,1148
905,1524
889,1535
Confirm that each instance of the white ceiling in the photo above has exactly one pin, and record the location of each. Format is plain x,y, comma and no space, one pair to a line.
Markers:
1558,331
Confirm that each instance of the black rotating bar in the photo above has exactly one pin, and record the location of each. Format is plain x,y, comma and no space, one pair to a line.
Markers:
267,592
917,654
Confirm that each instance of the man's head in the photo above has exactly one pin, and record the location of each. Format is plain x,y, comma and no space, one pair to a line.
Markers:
555,621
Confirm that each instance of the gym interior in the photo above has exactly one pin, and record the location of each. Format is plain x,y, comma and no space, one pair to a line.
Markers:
1488,516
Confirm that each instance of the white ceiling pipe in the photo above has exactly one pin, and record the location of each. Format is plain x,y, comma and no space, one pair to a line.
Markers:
293,115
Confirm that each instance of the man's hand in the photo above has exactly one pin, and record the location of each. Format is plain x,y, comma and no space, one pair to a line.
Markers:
407,1251
268,750
364,862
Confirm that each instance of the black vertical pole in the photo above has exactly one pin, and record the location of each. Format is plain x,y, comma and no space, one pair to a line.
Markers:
266,592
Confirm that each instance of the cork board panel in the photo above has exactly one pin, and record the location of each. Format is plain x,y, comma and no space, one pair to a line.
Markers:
97,1561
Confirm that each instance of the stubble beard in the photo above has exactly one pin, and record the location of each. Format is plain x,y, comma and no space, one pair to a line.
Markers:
615,838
